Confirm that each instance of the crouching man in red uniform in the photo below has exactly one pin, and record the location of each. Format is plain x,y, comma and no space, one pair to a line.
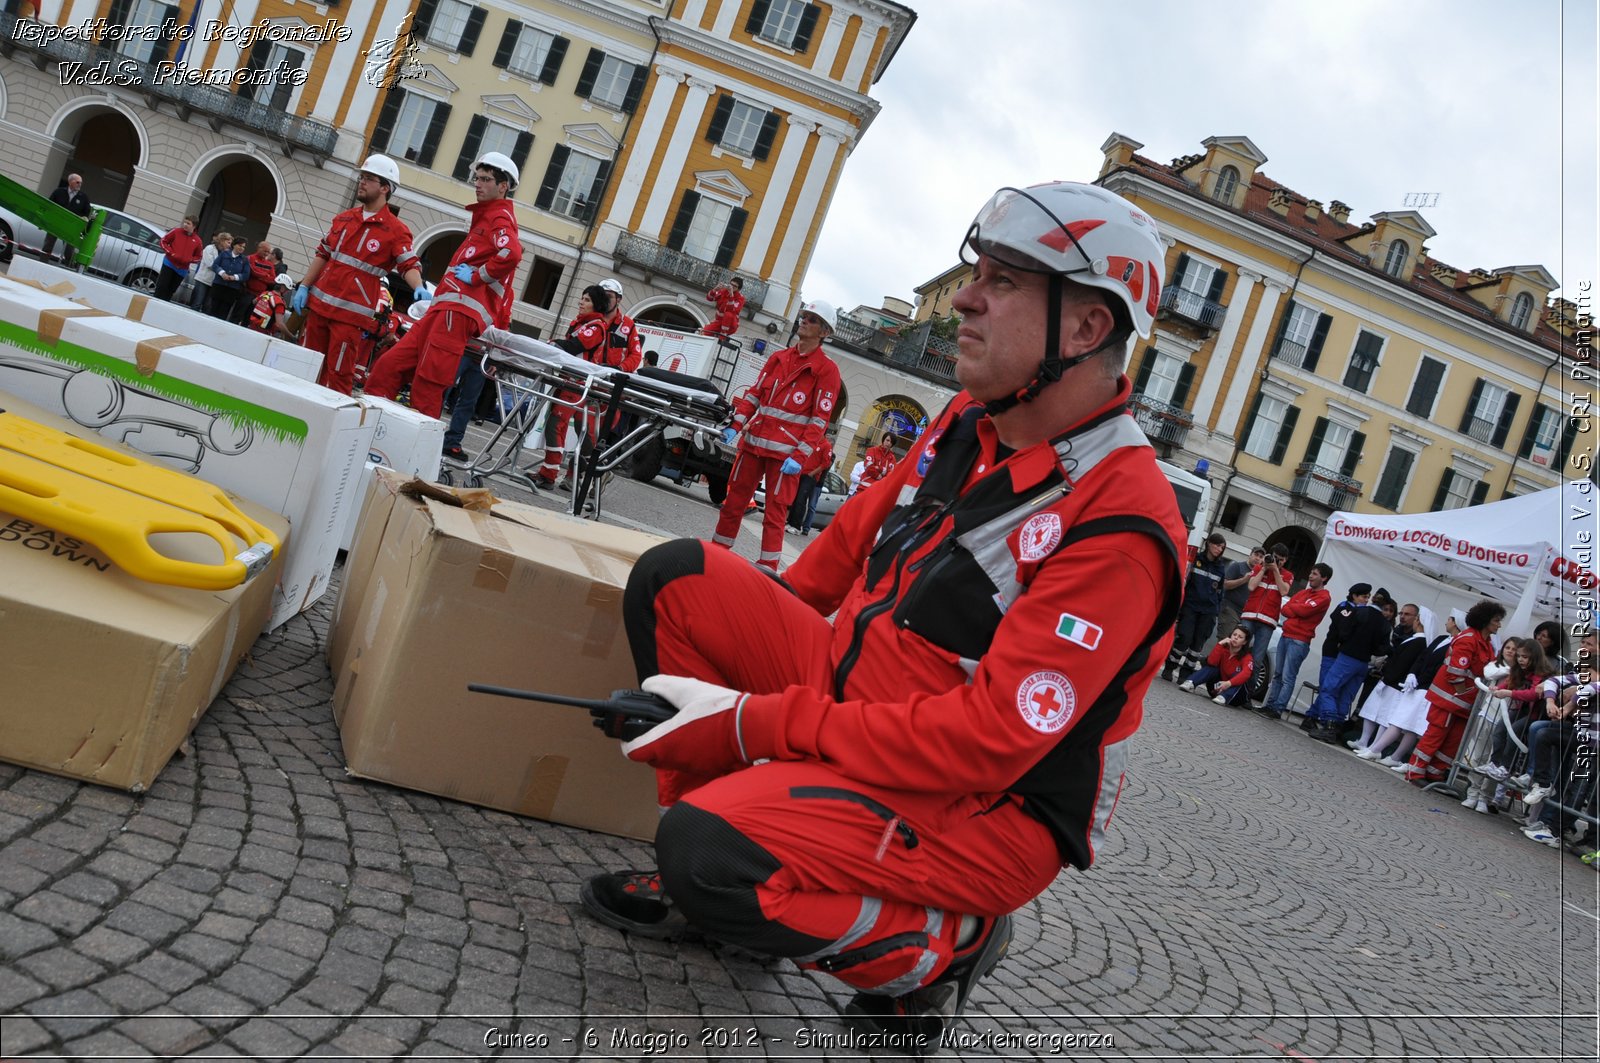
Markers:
873,796
475,294
779,423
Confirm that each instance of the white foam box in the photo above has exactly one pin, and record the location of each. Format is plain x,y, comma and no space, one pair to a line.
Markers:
405,441
284,443
291,358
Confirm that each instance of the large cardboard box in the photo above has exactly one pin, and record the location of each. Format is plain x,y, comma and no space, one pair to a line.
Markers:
436,596
404,440
287,444
104,675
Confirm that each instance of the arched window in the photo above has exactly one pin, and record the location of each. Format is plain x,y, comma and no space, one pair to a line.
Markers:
1521,310
1227,182
1395,264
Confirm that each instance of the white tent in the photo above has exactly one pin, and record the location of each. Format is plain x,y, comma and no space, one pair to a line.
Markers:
1534,554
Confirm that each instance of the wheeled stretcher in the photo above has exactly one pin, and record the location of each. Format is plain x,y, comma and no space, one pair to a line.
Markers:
621,412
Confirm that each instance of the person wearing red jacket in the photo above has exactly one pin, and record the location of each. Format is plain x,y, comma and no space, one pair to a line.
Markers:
1452,693
1301,615
1227,671
338,295
263,272
780,421
1269,585
730,301
878,461
475,294
804,507
604,335
872,795
181,250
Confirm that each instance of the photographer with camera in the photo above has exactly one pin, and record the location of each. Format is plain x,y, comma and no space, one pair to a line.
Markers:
1269,586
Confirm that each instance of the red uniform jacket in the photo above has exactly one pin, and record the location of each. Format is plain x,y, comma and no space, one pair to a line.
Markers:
607,341
1303,612
786,410
1233,669
264,313
1013,666
358,252
1453,689
819,462
730,302
493,248
263,271
182,249
879,462
1265,603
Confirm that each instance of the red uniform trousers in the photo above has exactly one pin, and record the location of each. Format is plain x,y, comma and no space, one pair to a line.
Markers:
1436,750
429,356
748,472
342,346
791,858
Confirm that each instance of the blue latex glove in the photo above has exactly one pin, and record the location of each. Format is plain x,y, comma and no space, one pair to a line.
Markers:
297,301
465,274
421,295
729,434
790,467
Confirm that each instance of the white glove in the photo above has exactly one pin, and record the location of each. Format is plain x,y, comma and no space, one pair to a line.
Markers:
1409,685
703,737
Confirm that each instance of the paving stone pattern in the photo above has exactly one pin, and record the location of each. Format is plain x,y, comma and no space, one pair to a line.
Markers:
1260,896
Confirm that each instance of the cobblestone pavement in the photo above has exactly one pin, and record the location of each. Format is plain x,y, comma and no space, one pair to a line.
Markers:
1261,896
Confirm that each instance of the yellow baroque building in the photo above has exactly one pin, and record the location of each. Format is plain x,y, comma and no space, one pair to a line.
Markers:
1316,364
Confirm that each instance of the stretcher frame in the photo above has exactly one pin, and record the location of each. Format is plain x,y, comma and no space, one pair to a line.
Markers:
532,377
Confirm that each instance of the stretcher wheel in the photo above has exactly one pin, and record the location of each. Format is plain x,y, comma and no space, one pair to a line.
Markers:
647,460
474,481
446,478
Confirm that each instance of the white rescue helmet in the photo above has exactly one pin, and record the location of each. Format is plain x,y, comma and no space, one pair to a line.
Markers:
1075,230
384,167
283,280
823,309
496,160
612,285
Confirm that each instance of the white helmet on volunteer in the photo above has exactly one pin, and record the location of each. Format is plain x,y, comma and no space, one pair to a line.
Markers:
384,167
1070,230
823,309
498,161
284,279
612,285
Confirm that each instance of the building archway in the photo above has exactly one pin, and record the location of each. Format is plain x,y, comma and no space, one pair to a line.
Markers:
104,144
667,312
241,194
436,249
900,414
1303,547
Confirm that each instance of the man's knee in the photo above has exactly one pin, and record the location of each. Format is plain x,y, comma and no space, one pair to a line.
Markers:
711,871
656,567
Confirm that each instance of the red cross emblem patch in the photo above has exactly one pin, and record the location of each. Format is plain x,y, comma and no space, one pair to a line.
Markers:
1039,536
1046,701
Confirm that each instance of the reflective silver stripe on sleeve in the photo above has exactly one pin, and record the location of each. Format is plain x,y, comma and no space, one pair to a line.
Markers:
866,919
1114,761
912,978
457,299
342,304
357,264
779,414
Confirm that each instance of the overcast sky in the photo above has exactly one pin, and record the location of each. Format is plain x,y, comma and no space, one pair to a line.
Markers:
1489,105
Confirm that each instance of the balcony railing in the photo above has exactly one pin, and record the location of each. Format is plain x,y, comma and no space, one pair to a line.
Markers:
1325,487
214,102
1162,422
695,272
1195,309
1290,353
1480,429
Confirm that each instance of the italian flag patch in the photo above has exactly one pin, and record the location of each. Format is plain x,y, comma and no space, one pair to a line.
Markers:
1077,630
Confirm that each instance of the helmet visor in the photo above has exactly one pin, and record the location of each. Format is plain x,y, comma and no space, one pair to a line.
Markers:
1018,231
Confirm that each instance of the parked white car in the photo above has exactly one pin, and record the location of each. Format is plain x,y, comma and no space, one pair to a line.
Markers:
129,251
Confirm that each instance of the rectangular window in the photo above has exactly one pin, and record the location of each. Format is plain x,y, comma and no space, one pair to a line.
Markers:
1162,383
146,13
611,83
529,54
1456,489
543,279
449,24
705,231
278,76
1196,277
1543,437
1392,482
782,23
1335,445
1264,429
1363,361
1484,416
498,137
577,179
1425,390
744,126
411,126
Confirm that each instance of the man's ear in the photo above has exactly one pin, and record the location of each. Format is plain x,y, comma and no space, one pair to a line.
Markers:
1085,324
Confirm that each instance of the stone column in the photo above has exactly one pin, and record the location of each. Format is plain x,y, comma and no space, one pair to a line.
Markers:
1250,357
665,190
776,195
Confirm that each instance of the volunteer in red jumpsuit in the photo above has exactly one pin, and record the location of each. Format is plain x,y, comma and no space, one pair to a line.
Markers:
1452,693
268,311
878,461
779,422
730,302
339,293
604,335
872,796
475,294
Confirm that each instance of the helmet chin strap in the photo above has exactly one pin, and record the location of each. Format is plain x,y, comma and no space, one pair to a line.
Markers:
1053,366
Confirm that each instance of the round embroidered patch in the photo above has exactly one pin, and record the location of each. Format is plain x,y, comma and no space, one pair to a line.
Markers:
825,404
372,245
1046,701
469,251
1040,534
799,397
501,239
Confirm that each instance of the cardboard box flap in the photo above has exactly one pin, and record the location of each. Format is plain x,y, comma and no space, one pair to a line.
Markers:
625,543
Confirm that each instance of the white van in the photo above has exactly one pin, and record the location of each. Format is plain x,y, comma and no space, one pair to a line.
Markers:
1194,502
